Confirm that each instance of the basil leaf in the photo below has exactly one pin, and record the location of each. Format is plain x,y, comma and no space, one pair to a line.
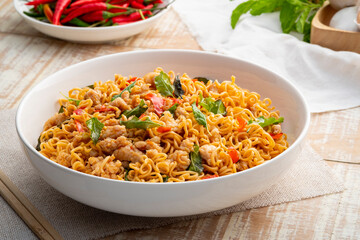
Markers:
288,16
91,86
178,92
163,84
216,107
202,79
195,161
240,10
95,127
264,122
199,116
173,108
137,111
76,101
38,144
128,88
61,110
136,123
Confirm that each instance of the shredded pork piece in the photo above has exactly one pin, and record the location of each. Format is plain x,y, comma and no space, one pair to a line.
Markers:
150,78
94,95
64,159
181,158
113,132
55,120
206,151
276,129
120,103
128,153
109,145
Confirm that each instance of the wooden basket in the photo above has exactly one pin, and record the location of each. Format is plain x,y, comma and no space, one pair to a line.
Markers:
326,36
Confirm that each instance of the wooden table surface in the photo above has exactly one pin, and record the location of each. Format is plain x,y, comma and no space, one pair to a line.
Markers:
27,57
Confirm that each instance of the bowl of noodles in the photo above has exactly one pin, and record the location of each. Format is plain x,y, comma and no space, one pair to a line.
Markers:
162,133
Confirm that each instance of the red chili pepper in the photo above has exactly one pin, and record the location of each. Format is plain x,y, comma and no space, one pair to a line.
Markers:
104,109
82,2
59,8
97,6
131,79
210,176
137,5
79,127
157,1
276,136
79,111
163,129
140,1
242,123
142,115
48,12
116,10
234,155
38,2
175,100
158,103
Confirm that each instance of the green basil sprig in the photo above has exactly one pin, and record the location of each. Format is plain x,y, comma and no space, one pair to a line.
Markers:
178,90
136,123
195,161
128,88
264,122
95,127
163,84
137,111
61,110
216,107
199,116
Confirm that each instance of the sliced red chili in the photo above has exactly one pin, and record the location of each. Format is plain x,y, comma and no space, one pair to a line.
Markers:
234,155
163,129
276,136
242,123
132,79
158,103
79,127
210,176
79,111
103,108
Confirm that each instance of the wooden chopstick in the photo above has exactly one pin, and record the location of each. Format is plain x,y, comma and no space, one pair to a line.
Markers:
28,213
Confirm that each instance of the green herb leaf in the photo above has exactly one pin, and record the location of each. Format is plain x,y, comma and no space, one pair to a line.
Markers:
288,16
128,88
202,79
195,161
91,86
76,101
265,6
137,111
199,116
216,107
95,127
38,144
163,84
173,108
264,122
61,110
165,179
126,174
136,123
178,90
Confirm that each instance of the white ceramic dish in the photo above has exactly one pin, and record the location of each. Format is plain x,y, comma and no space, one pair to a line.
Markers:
89,35
162,199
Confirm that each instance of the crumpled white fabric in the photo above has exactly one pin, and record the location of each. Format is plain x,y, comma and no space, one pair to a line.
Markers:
329,80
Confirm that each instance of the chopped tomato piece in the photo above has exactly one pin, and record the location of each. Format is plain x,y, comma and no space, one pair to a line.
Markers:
163,129
79,127
276,136
158,103
234,155
242,123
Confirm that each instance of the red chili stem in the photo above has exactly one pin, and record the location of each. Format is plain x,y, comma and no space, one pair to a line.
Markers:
59,8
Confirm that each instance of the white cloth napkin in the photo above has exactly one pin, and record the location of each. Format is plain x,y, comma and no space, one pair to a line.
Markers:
328,80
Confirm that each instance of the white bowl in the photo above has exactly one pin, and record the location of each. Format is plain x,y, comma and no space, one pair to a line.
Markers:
162,199
89,35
